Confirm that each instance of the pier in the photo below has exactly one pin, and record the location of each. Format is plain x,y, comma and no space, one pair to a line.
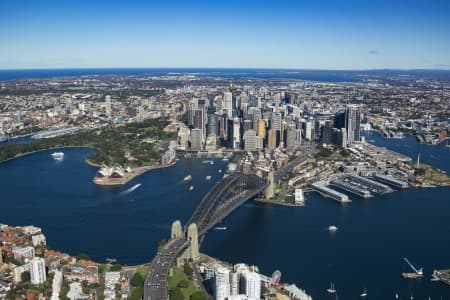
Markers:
391,181
369,184
324,190
351,188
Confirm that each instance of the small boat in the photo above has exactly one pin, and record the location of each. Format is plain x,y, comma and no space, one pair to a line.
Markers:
331,289
332,228
221,228
211,162
396,296
191,188
188,178
111,260
208,177
58,155
364,293
220,171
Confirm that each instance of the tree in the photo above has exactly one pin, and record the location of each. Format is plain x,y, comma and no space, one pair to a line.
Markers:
116,267
137,280
198,295
183,284
176,294
25,276
187,270
83,256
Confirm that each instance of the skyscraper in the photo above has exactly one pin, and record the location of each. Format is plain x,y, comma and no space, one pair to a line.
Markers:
275,121
252,285
196,139
199,121
37,270
221,283
227,105
353,122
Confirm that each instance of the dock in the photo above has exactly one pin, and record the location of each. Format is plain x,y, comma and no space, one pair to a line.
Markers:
371,185
324,190
351,187
391,181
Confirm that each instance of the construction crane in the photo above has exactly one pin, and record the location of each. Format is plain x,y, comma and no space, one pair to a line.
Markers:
418,271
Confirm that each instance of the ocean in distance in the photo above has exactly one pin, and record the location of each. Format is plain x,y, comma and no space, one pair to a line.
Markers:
367,251
229,73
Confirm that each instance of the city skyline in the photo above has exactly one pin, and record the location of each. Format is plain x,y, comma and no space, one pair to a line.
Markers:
347,35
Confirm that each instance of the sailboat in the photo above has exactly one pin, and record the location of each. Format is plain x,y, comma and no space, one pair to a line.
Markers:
331,289
364,293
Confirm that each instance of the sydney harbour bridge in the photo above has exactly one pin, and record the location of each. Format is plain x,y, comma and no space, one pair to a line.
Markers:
224,197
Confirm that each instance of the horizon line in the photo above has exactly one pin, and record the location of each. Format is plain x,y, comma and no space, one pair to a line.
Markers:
229,68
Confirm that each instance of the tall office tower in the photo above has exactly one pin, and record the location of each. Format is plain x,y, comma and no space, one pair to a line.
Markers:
339,120
272,139
219,105
221,283
276,99
343,138
213,125
247,125
252,285
298,136
259,143
291,137
1,256
227,104
309,130
236,133
353,122
250,140
327,133
243,103
202,104
183,138
275,121
196,139
37,270
262,128
199,120
191,113
234,283
256,116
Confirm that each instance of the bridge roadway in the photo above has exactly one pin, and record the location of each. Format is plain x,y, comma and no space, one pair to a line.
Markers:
225,196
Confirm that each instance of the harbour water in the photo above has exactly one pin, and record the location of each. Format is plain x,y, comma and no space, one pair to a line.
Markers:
367,251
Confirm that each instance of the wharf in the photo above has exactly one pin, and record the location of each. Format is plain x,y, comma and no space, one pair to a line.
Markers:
391,181
368,184
349,186
327,192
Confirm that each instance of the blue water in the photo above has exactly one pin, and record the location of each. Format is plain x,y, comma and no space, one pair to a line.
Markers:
315,75
367,251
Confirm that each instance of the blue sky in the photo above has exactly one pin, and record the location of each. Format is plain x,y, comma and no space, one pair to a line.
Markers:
313,34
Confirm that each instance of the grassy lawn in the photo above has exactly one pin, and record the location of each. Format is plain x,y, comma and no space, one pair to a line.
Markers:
179,275
142,270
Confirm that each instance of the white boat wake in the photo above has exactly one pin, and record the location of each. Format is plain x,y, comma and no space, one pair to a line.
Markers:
131,189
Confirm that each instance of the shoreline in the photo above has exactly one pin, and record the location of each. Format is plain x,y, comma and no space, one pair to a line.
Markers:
278,202
136,172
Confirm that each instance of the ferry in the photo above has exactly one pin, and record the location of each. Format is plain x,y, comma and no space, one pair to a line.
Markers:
191,188
58,155
332,228
188,178
207,178
331,289
221,228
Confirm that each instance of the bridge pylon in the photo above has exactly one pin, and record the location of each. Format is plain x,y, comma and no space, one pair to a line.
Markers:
192,236
270,189
176,232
